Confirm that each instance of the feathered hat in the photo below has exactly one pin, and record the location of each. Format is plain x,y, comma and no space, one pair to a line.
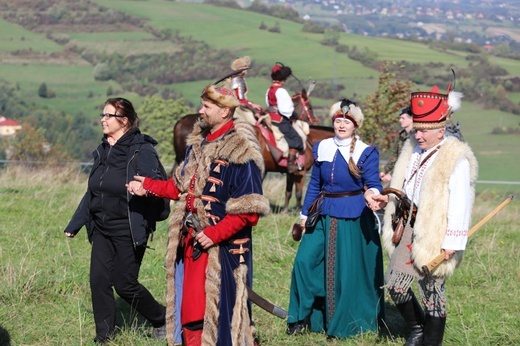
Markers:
430,110
241,63
348,110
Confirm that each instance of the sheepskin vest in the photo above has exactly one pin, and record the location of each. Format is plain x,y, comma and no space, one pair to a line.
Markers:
239,146
432,216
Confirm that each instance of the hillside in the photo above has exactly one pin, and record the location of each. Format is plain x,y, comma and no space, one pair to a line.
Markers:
138,30
81,51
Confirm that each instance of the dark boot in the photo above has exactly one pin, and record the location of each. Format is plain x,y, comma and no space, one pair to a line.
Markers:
291,161
434,330
297,328
414,317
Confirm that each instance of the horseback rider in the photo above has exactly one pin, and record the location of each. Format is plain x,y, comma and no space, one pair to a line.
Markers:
238,83
281,112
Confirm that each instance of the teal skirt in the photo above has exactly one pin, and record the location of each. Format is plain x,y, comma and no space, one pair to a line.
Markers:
337,278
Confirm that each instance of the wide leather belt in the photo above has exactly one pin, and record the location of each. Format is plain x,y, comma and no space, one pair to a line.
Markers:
342,194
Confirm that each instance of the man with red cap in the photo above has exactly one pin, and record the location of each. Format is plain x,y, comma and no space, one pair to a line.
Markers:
281,109
437,173
220,181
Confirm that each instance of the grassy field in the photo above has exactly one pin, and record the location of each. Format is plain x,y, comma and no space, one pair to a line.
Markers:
223,28
45,299
14,37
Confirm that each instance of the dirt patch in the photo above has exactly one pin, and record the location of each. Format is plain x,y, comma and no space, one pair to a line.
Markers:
65,28
21,57
512,33
430,28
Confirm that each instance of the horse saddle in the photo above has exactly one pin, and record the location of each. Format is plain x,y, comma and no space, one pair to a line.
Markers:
276,142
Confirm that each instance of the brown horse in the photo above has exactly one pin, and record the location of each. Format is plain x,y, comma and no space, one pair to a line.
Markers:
297,179
184,126
303,106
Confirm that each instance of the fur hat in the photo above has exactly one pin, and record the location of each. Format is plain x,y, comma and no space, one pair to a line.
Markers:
241,63
430,110
221,96
348,110
280,72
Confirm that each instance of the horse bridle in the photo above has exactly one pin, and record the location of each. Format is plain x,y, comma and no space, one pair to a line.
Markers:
305,104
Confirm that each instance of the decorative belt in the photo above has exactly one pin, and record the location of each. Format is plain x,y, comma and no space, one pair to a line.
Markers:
342,194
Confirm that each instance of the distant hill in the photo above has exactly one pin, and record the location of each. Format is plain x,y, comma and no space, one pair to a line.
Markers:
86,51
84,38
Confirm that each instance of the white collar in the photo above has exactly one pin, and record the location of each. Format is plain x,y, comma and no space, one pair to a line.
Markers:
328,147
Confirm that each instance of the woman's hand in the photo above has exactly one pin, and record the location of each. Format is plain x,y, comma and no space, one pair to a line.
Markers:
379,202
135,187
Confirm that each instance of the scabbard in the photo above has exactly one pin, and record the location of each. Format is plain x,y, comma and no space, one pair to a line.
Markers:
266,305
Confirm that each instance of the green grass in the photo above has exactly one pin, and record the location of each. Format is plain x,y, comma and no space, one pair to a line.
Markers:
497,154
45,297
14,37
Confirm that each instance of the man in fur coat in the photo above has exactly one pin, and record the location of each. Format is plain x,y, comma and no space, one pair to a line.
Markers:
438,174
220,181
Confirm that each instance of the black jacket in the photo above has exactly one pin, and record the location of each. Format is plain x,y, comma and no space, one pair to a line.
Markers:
141,159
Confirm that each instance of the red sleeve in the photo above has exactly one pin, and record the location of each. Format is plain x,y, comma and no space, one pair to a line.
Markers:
229,225
161,188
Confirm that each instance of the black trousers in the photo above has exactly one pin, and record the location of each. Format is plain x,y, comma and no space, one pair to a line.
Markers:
114,263
291,136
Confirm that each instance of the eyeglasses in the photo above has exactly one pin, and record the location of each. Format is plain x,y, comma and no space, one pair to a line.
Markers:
108,115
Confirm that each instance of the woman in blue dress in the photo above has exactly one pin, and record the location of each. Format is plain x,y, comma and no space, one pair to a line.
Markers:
337,278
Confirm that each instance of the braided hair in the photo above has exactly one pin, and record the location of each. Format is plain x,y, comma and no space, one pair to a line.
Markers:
352,167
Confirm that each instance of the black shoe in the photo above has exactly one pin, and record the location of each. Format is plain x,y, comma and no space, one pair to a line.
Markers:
101,340
296,328
159,333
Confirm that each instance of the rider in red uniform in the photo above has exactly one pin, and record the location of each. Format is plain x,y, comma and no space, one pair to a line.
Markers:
281,110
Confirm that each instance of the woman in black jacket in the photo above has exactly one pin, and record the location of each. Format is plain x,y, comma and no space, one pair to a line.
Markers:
119,223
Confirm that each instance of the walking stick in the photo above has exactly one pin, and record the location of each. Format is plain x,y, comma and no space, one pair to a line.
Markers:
427,269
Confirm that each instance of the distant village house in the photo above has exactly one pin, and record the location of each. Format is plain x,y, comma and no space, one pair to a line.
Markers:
8,127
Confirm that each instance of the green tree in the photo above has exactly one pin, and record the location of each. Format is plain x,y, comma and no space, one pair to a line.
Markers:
157,119
29,145
381,107
42,90
330,38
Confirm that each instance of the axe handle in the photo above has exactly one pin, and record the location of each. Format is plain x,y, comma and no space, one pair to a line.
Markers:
440,258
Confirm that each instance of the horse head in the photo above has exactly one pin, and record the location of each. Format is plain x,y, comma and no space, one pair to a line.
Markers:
303,106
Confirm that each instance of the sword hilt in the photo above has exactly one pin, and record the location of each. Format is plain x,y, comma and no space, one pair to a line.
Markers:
191,221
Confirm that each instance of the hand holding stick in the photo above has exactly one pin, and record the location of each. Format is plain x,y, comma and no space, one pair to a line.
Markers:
427,269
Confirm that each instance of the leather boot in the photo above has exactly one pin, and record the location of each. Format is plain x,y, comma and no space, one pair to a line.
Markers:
434,330
291,161
413,315
191,337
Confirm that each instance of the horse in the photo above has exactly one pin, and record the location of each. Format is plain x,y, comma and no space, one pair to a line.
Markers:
297,179
184,126
303,106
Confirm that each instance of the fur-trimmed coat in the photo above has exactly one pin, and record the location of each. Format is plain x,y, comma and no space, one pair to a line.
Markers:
432,216
221,168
